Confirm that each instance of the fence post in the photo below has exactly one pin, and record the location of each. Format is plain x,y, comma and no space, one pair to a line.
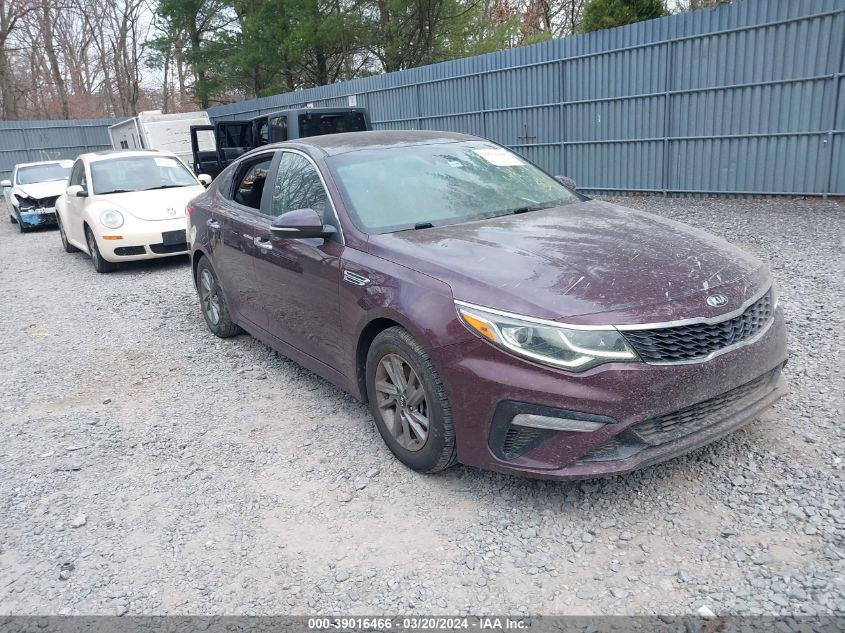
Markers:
667,116
419,110
562,117
483,105
837,76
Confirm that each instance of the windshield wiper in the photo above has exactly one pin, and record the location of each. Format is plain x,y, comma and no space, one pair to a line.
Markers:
105,193
423,225
164,187
536,207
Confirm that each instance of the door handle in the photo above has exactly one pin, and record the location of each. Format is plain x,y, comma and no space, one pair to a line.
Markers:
263,244
212,224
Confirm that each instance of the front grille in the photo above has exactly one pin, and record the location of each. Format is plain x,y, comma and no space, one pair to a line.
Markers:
698,416
27,204
697,341
164,249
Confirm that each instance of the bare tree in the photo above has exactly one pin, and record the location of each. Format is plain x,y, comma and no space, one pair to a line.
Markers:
11,11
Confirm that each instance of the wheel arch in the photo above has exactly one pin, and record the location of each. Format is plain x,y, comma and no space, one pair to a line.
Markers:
365,339
196,256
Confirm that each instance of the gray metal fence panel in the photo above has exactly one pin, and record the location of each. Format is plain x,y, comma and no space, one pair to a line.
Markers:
743,98
29,141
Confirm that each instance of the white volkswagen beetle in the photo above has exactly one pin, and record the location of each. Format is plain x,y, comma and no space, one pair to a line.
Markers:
127,205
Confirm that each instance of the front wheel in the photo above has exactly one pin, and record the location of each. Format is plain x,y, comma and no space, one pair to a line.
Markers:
100,265
213,303
69,248
12,219
409,403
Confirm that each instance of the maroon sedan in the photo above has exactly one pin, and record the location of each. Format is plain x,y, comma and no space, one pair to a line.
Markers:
488,314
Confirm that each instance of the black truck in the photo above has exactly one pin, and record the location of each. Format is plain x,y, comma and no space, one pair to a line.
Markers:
225,141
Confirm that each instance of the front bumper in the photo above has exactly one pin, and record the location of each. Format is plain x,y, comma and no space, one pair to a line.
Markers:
479,379
144,240
37,217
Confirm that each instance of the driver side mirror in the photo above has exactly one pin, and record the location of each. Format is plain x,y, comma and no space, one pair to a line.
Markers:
204,179
300,223
76,191
566,181
5,183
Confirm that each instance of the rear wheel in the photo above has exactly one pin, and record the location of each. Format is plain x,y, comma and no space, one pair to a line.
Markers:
409,403
100,265
213,303
69,248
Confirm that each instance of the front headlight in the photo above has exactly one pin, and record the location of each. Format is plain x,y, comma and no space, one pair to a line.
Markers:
544,341
111,219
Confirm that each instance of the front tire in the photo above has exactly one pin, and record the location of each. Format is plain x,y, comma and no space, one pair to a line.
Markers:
409,403
12,218
100,265
69,248
213,303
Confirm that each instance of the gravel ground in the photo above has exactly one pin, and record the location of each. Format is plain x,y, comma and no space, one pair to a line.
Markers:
150,468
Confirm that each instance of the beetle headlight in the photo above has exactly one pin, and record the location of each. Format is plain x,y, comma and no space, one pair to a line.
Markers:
547,343
111,219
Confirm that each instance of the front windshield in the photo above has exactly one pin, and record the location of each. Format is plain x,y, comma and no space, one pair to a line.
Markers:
42,173
139,173
419,186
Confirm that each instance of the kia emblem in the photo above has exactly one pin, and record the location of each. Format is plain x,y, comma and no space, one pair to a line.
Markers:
717,301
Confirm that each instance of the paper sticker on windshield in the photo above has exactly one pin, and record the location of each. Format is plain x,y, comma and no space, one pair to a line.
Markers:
498,157
166,162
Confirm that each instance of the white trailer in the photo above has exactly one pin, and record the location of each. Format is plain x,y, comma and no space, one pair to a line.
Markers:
154,130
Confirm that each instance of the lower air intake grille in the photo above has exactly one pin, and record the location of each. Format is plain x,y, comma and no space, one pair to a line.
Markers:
698,416
518,439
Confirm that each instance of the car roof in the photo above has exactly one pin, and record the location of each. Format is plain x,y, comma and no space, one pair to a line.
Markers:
337,110
91,157
332,144
60,161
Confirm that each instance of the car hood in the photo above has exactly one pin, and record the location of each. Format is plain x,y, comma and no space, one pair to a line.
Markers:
586,262
160,204
38,190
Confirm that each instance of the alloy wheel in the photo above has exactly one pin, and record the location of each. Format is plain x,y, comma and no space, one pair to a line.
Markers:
402,401
209,297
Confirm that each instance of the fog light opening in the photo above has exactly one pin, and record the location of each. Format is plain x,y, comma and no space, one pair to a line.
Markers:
555,424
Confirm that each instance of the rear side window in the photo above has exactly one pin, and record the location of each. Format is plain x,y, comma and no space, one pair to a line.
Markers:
279,129
234,135
319,124
298,186
250,182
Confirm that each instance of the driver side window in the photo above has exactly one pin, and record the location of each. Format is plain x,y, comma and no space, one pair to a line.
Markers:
298,186
77,176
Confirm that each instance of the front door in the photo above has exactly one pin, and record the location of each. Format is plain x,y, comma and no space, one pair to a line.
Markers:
233,227
299,278
75,229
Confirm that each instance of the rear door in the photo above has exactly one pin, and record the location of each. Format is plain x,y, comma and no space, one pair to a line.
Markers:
299,278
233,227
